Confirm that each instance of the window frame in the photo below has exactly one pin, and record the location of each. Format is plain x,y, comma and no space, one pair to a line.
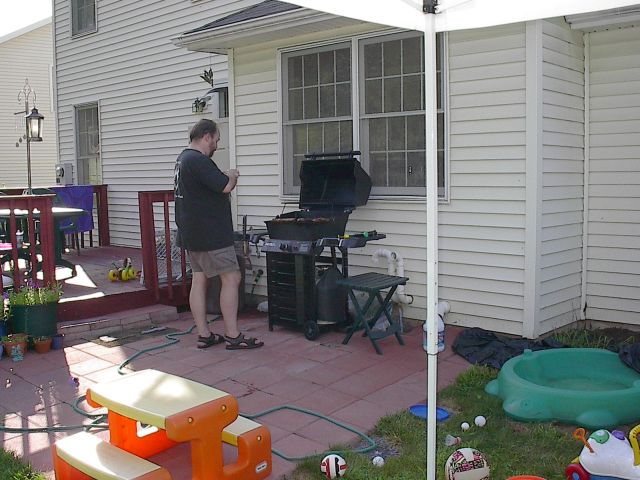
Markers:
82,160
73,16
288,187
287,191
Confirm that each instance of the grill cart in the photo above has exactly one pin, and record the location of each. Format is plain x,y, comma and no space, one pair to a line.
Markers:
301,273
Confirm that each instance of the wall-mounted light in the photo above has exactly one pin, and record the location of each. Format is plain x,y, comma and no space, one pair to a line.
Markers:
198,105
218,97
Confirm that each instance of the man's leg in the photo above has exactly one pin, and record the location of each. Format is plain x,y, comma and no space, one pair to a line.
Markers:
230,282
198,303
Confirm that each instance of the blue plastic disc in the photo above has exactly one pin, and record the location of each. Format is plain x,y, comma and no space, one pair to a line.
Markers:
420,411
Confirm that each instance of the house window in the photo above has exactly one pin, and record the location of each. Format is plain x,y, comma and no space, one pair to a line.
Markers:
88,145
390,121
316,106
83,16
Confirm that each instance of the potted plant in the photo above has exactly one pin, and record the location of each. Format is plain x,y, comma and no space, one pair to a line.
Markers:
15,344
34,308
42,344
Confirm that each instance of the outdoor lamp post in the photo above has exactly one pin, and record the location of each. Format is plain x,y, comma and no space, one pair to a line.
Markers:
33,125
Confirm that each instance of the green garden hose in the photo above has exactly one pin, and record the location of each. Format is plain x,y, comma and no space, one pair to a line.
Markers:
99,419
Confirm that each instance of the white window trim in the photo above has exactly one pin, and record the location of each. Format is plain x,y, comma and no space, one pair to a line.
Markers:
88,32
443,198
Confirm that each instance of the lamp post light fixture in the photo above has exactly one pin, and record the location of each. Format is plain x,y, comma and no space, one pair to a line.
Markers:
33,125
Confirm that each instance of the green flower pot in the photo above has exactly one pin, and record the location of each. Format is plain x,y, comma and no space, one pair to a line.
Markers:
35,320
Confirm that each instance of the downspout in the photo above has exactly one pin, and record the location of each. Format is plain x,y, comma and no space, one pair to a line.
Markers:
585,176
533,179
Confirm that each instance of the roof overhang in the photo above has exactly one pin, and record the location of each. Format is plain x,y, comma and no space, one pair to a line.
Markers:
261,30
615,17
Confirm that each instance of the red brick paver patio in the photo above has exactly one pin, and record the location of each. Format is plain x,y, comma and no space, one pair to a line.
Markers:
349,383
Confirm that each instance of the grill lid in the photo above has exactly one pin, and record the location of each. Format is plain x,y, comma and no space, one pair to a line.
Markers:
333,181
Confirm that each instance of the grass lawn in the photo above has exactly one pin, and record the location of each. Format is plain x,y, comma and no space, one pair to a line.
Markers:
511,447
12,468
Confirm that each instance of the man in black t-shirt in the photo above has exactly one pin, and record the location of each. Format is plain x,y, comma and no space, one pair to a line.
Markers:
205,231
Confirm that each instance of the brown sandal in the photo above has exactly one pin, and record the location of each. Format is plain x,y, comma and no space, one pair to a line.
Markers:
212,339
242,343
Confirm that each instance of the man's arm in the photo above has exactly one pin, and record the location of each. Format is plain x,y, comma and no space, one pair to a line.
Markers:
233,180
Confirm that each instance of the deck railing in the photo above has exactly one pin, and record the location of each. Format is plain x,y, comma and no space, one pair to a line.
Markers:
174,287
32,215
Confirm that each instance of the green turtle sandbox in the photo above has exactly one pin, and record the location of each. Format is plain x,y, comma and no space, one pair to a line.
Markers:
590,387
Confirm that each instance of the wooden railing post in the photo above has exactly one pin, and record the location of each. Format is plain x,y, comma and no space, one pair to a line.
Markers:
102,206
170,293
30,209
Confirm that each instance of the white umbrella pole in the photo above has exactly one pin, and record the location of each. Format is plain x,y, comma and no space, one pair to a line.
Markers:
431,324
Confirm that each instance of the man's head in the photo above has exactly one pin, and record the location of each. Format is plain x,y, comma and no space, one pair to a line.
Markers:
204,136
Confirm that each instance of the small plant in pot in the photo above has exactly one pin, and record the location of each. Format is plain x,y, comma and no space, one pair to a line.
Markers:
15,344
42,344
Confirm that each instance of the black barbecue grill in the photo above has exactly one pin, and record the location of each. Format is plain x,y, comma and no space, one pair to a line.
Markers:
301,279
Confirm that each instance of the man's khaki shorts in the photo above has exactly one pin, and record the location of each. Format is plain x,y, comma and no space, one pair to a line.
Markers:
214,262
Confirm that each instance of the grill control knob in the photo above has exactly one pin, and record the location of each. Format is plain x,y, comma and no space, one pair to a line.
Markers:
283,247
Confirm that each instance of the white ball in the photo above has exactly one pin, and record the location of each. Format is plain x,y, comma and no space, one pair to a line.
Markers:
333,466
480,421
465,426
466,464
378,461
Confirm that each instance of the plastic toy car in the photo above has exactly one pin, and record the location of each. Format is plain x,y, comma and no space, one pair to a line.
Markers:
607,456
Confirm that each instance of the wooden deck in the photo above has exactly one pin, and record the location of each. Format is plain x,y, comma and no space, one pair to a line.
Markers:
90,293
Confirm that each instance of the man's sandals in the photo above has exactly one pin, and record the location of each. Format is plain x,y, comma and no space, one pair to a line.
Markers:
242,343
239,343
212,339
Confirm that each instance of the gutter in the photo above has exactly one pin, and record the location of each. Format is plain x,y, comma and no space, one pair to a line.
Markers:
227,36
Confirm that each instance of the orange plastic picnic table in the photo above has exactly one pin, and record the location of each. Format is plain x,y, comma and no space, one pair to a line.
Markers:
182,411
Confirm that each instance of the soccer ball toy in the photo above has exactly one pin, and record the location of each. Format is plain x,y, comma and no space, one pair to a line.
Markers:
333,466
466,464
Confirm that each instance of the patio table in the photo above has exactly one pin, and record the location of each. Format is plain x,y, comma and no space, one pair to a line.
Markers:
59,215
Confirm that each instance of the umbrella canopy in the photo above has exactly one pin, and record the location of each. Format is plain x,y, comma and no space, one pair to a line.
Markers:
431,16
457,14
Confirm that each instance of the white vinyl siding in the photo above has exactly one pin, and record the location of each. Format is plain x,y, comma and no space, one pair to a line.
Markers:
482,229
29,55
613,258
562,175
145,87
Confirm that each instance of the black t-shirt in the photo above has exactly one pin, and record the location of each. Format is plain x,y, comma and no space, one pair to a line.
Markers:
203,211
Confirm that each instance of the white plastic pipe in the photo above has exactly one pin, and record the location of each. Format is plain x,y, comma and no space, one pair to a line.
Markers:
443,308
395,266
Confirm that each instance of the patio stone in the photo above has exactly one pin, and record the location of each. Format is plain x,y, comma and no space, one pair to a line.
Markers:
296,446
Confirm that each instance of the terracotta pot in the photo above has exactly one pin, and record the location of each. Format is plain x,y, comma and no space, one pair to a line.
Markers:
16,343
43,346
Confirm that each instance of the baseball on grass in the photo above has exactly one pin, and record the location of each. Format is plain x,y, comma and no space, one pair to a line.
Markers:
464,426
378,461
